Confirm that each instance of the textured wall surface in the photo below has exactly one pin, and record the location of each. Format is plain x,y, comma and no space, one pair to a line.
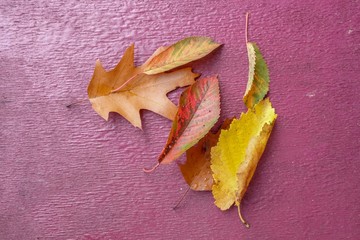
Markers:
68,174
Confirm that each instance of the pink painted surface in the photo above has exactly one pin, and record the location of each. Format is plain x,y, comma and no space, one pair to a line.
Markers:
68,174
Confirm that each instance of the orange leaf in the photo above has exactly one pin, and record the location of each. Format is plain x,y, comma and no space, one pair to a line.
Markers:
196,170
142,92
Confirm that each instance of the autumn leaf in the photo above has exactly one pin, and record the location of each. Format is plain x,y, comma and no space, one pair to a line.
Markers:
199,109
236,155
196,170
142,92
258,81
180,53
127,89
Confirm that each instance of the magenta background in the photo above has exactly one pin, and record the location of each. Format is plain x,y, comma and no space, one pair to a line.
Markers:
68,174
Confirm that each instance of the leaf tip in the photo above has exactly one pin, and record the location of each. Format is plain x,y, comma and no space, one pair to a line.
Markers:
195,74
138,125
218,44
98,65
105,116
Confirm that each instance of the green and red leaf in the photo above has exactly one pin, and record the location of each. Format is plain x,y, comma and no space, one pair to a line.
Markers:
258,82
199,110
180,53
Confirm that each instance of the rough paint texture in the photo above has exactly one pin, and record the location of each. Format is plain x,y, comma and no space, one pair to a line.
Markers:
66,173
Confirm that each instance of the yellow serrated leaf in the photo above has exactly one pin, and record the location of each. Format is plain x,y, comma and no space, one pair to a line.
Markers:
236,155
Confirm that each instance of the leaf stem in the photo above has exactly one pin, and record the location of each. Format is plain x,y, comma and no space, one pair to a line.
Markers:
149,170
246,26
181,199
76,102
241,218
124,84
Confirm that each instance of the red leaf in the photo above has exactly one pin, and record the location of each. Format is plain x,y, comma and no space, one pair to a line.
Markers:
199,110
